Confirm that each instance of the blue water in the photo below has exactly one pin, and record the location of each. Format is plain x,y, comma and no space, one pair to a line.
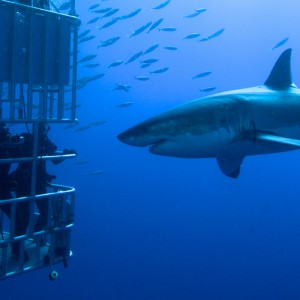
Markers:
159,228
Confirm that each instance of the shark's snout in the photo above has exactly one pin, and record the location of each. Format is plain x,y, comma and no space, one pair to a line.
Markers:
141,135
128,138
134,137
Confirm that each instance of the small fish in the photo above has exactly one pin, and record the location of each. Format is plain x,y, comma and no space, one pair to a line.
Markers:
122,87
134,57
130,15
204,39
79,86
217,33
95,173
124,104
102,10
91,65
170,48
201,75
93,20
149,61
108,42
83,34
93,7
71,125
85,39
116,63
110,13
82,128
140,30
197,12
65,6
280,43
158,71
162,5
142,66
108,24
142,78
150,49
210,89
201,10
167,29
97,76
97,123
83,80
155,24
87,58
191,36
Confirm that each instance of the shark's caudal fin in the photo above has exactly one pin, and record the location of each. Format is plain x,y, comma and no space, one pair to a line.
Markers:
280,77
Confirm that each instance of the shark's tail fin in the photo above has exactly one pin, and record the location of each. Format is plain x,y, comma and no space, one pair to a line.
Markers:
280,77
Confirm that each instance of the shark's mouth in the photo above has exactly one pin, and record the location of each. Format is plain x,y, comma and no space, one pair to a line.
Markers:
157,145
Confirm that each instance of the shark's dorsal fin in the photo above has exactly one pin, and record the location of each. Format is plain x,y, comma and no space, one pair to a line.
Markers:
280,77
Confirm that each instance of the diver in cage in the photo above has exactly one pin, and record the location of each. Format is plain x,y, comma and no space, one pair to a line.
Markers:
22,176
10,147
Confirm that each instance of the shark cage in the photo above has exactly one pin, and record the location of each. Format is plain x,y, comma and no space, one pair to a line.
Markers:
37,87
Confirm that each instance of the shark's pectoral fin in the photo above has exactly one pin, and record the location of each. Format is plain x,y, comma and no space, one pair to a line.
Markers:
266,137
230,165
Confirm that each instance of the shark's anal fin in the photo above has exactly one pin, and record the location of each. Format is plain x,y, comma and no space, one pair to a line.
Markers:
230,165
280,77
266,137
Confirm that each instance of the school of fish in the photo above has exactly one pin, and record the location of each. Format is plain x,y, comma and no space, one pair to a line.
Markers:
104,18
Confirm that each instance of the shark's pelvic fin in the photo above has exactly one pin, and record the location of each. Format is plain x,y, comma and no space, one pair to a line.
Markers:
280,77
230,165
265,137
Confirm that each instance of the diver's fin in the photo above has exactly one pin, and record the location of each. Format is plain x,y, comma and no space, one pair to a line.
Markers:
230,165
280,77
265,137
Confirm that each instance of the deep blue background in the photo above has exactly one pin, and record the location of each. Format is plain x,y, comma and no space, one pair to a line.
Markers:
164,228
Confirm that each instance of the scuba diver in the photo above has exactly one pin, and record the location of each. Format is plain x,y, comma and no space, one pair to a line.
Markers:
22,177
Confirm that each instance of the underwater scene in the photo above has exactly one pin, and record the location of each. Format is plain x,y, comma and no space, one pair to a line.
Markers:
181,201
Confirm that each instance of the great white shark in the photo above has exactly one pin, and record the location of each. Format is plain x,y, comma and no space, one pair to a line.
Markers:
228,126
